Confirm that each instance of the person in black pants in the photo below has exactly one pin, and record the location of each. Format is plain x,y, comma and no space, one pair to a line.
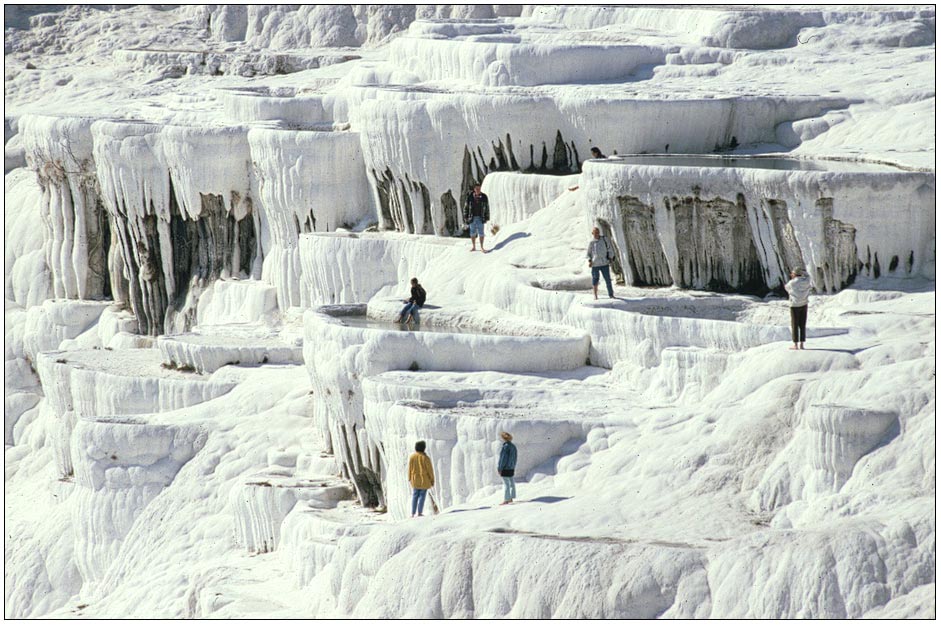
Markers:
798,292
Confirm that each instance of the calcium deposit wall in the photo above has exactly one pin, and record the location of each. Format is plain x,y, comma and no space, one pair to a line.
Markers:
735,229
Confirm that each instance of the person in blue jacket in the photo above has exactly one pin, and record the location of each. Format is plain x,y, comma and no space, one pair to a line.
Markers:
506,467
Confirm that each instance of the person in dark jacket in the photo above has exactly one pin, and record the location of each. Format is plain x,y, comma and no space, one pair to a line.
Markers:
409,312
506,467
596,153
476,214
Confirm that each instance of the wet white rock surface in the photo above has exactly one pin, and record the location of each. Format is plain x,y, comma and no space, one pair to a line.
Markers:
188,186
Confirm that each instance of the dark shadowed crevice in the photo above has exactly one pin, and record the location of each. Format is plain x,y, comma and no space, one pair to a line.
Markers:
787,249
452,216
428,227
839,250
645,257
509,148
407,208
560,157
104,227
715,247
382,191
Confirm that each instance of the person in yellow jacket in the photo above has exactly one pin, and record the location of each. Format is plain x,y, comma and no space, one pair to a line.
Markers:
421,476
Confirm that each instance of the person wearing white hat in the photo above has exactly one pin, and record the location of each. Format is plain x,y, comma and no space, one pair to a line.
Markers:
798,292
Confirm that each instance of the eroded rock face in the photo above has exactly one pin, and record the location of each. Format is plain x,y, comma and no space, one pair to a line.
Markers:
77,236
197,252
644,254
406,205
737,229
715,249
828,443
712,238
178,226
839,260
788,249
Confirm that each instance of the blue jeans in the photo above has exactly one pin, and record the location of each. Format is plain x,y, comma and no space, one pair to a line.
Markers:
410,309
606,272
418,500
509,489
477,227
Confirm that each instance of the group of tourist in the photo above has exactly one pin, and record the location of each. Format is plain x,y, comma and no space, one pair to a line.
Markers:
421,474
600,254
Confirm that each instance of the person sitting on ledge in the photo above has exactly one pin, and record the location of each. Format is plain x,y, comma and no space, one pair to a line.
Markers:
596,153
409,312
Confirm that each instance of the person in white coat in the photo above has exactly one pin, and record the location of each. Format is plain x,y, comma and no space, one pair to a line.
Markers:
798,291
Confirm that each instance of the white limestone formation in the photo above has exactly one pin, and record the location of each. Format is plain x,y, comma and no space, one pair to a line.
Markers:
307,182
157,197
726,227
89,383
828,443
330,345
121,465
514,197
212,217
262,504
76,233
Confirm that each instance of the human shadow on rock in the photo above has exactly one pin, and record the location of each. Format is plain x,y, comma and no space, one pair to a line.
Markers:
513,237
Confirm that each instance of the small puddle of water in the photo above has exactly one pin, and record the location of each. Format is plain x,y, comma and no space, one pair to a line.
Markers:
360,321
787,164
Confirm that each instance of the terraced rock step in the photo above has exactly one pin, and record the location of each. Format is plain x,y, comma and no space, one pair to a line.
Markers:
310,537
181,62
121,465
461,415
525,346
827,445
262,503
93,382
57,320
206,353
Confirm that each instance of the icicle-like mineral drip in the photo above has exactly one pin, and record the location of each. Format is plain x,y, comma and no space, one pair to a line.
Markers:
77,237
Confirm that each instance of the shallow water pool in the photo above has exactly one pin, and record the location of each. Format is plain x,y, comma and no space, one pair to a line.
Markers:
361,321
752,162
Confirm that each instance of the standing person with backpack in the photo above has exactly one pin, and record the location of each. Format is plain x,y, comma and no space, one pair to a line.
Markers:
421,475
476,214
600,255
506,467
412,304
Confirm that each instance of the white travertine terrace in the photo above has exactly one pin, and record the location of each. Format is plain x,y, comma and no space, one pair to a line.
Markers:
213,214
